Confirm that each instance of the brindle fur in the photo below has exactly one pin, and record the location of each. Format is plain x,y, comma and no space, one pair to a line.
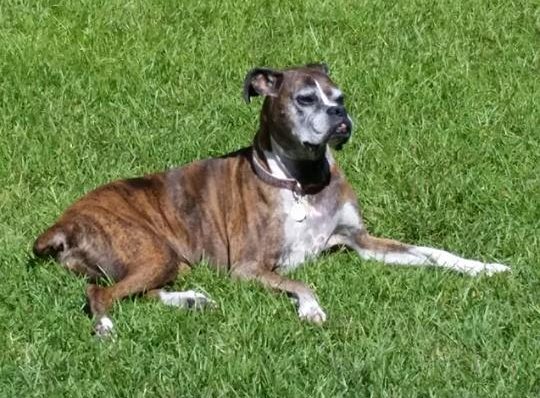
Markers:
138,231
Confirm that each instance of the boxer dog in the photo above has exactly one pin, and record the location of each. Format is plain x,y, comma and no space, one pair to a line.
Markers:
256,213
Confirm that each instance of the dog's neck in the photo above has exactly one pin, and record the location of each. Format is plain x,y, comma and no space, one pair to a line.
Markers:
314,173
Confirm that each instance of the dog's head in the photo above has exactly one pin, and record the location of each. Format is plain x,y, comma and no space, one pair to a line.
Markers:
303,110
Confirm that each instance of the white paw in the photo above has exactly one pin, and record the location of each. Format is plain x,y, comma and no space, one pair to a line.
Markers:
487,269
189,299
103,327
494,268
311,311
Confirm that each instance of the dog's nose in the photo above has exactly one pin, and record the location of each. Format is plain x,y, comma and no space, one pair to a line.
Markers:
336,111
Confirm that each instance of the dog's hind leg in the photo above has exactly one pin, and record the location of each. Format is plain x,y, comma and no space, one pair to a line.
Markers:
393,252
144,278
138,262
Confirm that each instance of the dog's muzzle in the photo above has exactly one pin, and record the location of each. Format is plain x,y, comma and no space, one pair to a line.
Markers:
340,134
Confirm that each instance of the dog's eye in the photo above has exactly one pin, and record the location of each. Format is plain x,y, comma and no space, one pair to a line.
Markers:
306,99
340,100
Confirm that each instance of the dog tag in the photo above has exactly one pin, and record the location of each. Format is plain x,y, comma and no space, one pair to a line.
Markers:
298,211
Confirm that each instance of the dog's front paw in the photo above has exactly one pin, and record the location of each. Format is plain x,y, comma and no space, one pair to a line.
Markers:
311,311
486,269
103,327
493,268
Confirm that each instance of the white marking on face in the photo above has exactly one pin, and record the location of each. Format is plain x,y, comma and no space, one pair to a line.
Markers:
186,299
325,100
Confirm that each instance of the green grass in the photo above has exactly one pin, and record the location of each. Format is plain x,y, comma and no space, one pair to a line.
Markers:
446,152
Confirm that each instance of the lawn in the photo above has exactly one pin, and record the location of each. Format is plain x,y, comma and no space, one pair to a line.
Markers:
446,153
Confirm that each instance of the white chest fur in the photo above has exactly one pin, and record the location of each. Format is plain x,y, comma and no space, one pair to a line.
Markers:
305,238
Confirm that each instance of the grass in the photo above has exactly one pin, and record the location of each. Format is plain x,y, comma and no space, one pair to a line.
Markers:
446,152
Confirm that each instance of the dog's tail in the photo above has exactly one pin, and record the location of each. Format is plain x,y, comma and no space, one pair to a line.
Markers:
51,242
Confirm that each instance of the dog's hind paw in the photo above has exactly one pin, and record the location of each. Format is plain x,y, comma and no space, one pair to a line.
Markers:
189,299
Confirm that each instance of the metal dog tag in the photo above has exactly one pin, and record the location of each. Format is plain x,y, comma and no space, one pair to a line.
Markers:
298,211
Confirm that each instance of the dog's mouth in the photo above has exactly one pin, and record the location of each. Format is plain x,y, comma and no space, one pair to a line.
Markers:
336,138
343,129
340,135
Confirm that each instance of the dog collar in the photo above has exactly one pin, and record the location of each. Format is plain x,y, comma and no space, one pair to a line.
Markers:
287,183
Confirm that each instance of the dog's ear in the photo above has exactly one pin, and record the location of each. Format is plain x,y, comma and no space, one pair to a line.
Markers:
262,81
321,67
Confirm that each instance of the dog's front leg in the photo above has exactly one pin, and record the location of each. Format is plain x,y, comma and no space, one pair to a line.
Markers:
352,233
393,252
308,306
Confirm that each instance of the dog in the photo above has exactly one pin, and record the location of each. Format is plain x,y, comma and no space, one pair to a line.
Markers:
256,213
